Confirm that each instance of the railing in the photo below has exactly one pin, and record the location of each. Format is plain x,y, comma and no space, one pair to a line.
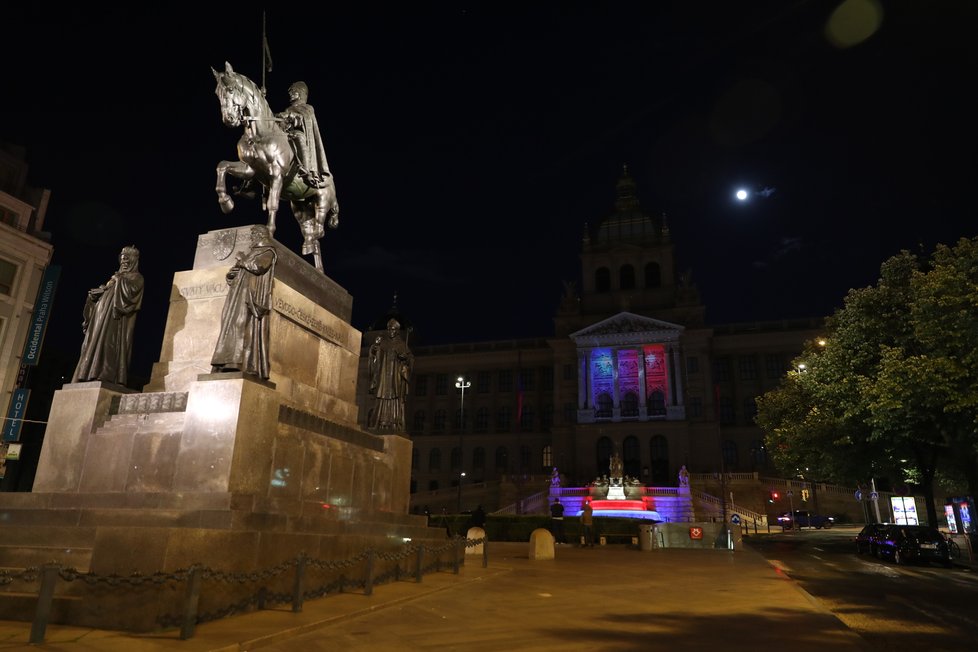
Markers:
310,578
732,507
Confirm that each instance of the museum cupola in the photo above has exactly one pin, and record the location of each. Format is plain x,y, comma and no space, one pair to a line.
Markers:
627,262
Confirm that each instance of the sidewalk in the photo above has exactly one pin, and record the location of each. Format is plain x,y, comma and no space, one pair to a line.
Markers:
605,598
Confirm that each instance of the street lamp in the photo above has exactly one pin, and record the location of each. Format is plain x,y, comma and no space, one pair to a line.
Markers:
462,384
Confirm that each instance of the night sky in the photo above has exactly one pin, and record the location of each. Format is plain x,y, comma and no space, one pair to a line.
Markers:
471,142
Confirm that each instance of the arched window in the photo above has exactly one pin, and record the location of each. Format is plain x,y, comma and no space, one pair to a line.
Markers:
604,404
456,458
629,404
548,457
524,459
602,280
631,457
653,276
603,454
502,459
434,460
526,418
657,404
626,277
419,422
479,457
482,419
439,425
659,461
730,455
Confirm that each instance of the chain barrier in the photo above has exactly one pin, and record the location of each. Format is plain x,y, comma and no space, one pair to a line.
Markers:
309,581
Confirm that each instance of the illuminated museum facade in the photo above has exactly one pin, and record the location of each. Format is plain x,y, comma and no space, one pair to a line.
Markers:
631,367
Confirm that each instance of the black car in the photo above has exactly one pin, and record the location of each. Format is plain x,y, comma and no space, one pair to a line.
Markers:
866,539
913,543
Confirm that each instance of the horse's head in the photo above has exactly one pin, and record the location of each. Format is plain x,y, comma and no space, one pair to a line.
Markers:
239,97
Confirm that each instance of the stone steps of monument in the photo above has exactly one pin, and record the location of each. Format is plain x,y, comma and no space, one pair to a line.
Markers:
19,557
22,606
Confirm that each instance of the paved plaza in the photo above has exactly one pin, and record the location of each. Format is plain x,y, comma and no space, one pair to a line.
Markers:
614,598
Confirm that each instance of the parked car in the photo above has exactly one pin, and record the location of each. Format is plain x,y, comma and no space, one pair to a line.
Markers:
804,518
913,543
867,537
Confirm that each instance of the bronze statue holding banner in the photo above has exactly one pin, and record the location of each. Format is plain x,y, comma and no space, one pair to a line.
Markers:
108,320
266,155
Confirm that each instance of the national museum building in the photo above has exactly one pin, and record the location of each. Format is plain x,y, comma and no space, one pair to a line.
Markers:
631,367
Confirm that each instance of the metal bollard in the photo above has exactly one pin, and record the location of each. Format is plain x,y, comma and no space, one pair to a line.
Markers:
300,571
190,602
368,581
49,577
419,567
456,563
485,552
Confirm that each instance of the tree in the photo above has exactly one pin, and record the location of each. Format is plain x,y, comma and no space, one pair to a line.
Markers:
895,383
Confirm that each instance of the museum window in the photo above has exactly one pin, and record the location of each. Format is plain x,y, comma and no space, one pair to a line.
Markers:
727,416
526,418
459,416
758,454
692,365
434,460
653,276
482,382
479,457
504,416
482,419
748,367
629,405
547,379
626,277
420,385
528,381
774,365
441,384
695,407
439,424
730,455
659,461
721,369
602,280
456,458
504,381
750,410
417,428
8,274
502,459
631,457
656,404
547,417
604,406
548,457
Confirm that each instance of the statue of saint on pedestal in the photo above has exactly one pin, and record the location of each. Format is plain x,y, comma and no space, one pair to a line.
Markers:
390,364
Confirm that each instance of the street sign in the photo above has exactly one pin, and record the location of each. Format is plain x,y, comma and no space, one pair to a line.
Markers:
859,494
735,519
790,493
695,533
874,496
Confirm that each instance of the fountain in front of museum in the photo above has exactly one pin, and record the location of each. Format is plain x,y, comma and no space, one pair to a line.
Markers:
621,496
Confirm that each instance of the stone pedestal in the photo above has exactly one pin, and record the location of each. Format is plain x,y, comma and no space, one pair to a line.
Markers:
225,470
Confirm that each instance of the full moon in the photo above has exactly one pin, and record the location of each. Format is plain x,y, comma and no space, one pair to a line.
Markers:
742,194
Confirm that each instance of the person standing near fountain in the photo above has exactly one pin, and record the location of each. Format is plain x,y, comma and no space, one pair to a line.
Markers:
557,521
587,523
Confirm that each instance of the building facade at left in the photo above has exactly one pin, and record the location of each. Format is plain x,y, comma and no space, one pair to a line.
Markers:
25,254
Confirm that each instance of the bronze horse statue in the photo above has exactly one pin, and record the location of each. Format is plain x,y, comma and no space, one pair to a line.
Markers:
266,156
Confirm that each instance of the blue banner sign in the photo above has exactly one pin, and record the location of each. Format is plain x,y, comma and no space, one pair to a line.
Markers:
15,415
42,311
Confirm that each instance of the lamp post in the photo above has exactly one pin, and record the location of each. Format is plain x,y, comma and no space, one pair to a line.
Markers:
462,384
